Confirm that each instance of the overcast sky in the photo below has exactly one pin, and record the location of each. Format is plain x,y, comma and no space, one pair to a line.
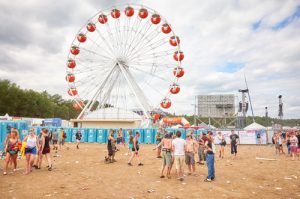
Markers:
221,40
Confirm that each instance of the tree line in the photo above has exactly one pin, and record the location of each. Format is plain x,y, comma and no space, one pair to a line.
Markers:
29,103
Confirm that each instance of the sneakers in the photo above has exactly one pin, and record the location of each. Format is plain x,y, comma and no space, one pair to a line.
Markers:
129,164
140,164
207,180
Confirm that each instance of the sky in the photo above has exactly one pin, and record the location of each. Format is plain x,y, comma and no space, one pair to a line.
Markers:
221,40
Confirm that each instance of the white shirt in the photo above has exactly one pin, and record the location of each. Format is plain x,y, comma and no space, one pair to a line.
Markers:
178,144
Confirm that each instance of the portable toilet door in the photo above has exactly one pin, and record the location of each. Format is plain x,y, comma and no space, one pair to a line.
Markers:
68,132
92,135
84,134
102,136
126,135
74,131
141,131
149,136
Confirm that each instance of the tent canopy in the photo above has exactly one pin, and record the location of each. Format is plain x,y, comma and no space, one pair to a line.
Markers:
254,126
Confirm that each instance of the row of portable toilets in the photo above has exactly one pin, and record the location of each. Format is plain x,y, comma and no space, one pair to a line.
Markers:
90,135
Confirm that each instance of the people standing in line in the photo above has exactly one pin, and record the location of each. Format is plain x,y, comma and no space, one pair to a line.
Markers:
190,150
39,152
78,136
222,143
210,158
135,150
11,150
31,149
234,138
45,149
158,138
111,147
179,146
294,145
55,140
166,145
201,149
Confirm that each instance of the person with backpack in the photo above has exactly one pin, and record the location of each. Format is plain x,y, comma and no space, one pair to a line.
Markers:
63,137
234,138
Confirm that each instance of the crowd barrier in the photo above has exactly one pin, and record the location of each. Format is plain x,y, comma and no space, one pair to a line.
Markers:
147,135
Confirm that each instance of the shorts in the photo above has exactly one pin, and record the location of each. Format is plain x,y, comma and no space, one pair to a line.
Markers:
294,149
54,141
189,158
46,150
137,149
179,160
12,152
78,140
130,146
167,158
30,151
223,143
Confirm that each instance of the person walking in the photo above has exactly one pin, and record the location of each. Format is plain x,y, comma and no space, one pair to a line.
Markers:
78,136
11,149
210,158
294,145
111,147
31,148
179,148
135,150
234,138
45,149
55,140
222,143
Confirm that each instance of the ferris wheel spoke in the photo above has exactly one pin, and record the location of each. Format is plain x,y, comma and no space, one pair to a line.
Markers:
149,73
153,55
150,64
133,29
107,53
144,40
109,47
92,52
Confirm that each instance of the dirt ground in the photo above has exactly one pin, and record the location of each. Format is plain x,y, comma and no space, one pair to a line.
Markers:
83,174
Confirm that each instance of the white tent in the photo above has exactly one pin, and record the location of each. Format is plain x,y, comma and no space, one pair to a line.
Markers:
254,126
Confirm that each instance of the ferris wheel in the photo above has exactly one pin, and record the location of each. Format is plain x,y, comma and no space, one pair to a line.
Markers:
127,57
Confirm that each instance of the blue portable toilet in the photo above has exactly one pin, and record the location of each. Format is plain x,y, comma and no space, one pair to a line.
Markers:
126,135
92,135
68,132
73,131
149,135
141,131
102,135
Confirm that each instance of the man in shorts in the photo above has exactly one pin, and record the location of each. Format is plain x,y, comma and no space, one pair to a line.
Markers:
191,149
159,136
62,136
178,147
234,138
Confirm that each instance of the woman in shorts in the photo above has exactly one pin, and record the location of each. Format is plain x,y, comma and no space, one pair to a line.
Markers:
45,149
294,145
135,150
12,149
130,142
31,149
222,143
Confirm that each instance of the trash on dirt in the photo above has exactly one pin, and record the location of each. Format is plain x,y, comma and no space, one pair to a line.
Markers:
260,186
184,183
287,178
278,188
151,190
228,182
294,176
76,162
48,195
84,188
158,181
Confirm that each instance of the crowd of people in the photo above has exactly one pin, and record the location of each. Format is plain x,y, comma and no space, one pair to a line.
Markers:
174,150
292,141
33,148
171,148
